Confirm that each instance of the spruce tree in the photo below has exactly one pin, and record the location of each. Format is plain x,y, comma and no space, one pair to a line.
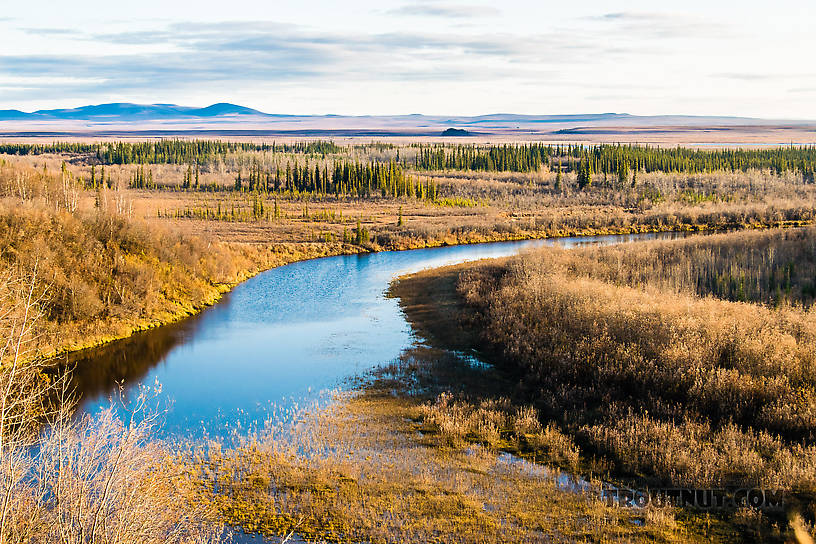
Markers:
584,175
359,234
623,172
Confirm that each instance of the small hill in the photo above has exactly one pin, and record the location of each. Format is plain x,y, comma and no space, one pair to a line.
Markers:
223,108
13,115
456,132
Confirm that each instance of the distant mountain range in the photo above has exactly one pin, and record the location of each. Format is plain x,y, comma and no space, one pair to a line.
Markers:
127,112
224,119
122,111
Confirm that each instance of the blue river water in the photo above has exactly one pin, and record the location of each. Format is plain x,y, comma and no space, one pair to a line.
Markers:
279,338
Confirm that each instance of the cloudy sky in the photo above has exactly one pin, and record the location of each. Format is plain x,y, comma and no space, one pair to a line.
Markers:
706,57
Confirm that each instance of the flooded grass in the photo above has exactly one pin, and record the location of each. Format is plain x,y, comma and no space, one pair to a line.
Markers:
381,465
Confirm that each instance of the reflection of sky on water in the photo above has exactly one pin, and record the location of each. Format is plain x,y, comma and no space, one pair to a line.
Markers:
280,337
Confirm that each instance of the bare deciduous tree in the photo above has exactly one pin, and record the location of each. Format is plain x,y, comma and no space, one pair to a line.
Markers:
98,479
24,390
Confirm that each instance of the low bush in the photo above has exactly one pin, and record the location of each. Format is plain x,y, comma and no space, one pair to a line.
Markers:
671,386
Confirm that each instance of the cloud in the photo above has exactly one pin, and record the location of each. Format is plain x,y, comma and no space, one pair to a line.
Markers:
773,77
52,31
661,25
632,16
273,37
746,76
453,11
251,54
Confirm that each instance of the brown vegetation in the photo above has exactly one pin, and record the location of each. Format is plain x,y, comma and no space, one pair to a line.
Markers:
372,468
471,207
107,481
774,267
691,391
98,479
616,363
621,355
108,274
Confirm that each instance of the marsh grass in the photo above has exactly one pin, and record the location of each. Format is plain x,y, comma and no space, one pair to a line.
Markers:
497,425
673,379
369,469
649,382
776,267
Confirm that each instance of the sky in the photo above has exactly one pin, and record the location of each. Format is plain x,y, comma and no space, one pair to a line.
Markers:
436,57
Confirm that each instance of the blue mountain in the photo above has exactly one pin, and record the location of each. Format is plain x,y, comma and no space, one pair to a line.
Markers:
123,111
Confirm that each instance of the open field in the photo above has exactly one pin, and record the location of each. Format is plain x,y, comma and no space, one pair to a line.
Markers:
313,192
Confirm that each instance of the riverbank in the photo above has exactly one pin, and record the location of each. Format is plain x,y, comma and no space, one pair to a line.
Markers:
259,258
418,450
477,237
105,331
371,468
562,336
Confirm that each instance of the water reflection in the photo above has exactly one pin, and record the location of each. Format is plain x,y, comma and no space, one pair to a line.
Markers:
97,370
280,337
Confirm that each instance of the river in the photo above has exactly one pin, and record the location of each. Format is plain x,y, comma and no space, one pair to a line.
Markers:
280,338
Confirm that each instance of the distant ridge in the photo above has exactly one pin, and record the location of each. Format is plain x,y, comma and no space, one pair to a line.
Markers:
128,112
12,115
125,111
124,119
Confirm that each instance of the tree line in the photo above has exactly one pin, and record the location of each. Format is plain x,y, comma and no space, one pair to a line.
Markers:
342,178
614,159
166,151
